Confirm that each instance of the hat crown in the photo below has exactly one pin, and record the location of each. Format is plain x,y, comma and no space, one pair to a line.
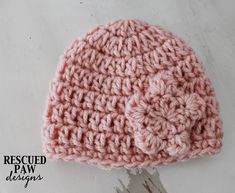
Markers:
126,38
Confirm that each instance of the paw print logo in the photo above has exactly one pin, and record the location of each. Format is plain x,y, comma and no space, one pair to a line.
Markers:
162,118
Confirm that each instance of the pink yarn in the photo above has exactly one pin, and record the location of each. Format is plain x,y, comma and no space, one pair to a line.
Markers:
130,94
163,117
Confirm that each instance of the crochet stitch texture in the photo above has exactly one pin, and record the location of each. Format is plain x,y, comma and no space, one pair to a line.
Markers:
130,94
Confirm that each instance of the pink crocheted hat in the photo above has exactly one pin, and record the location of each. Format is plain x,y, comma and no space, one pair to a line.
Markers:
130,94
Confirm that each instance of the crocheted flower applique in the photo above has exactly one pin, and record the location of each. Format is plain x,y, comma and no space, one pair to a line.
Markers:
162,118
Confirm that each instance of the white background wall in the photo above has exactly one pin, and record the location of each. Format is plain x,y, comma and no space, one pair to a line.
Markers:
32,36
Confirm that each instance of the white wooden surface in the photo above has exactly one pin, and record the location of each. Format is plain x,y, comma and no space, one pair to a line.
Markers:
32,36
